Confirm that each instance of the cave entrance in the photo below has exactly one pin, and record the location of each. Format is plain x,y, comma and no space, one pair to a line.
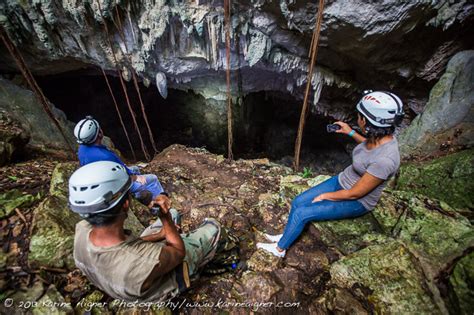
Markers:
265,123
268,128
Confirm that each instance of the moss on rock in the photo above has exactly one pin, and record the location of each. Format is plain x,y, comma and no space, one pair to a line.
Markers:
447,178
52,240
52,303
15,199
461,283
392,273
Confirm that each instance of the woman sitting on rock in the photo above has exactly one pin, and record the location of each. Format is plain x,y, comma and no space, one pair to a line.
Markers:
357,189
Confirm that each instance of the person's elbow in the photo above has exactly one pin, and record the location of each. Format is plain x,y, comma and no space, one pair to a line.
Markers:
181,254
354,194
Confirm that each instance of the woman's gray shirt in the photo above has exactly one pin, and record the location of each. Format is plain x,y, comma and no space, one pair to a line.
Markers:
382,162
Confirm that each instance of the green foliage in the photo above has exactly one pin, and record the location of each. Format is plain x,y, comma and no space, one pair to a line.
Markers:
307,173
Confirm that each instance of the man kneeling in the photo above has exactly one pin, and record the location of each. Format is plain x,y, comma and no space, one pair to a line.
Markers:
126,267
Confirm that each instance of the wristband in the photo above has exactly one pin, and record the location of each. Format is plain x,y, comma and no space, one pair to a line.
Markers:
350,134
164,193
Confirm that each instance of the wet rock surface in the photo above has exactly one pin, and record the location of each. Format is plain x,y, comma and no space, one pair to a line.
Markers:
181,46
388,261
22,105
446,123
13,138
441,179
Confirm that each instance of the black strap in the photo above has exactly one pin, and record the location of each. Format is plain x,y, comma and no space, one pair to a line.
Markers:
377,119
80,128
399,106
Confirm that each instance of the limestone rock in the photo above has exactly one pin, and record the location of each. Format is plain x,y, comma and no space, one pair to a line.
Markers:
262,261
293,185
22,104
60,179
447,178
92,303
434,232
52,302
341,301
30,294
13,138
52,238
186,41
351,235
15,199
391,272
256,287
461,283
54,224
447,120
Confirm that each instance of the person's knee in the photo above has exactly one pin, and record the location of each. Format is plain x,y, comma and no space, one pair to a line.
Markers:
298,214
151,178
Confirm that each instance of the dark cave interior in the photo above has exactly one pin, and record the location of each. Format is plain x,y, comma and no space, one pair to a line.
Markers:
265,123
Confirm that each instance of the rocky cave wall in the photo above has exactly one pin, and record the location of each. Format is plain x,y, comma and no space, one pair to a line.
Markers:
403,46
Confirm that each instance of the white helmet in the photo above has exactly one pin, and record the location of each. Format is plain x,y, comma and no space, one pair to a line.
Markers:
382,109
97,187
87,130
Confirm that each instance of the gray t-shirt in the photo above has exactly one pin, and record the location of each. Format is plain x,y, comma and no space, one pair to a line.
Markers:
381,162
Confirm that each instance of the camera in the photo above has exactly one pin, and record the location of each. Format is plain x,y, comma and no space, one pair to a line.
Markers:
156,210
332,127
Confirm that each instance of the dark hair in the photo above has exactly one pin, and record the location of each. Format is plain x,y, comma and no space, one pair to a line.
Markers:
107,217
375,133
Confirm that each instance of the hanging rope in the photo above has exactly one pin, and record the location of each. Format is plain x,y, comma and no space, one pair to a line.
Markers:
25,71
124,88
304,111
119,115
227,22
134,77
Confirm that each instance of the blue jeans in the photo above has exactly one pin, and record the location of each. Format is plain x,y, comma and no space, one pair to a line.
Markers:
152,185
303,210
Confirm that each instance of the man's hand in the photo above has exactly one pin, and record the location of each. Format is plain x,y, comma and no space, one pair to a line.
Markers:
345,128
164,202
141,179
319,198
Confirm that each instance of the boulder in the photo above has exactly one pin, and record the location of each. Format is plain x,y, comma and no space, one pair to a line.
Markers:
349,235
256,287
23,106
13,138
461,284
52,302
23,299
448,178
447,121
15,199
396,282
432,231
52,238
262,261
92,304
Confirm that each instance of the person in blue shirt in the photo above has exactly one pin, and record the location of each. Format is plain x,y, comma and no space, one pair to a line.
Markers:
89,135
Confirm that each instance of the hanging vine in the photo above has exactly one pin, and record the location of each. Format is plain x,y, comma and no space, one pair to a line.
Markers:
119,27
25,71
313,51
227,22
119,114
124,88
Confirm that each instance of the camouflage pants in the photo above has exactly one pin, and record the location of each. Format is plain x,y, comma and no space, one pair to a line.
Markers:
201,244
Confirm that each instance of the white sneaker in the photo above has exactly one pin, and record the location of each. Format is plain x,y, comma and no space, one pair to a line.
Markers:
273,238
272,248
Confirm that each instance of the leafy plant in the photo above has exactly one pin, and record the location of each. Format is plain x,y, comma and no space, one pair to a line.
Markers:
307,173
13,178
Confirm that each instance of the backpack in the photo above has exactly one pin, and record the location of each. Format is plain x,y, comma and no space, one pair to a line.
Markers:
227,255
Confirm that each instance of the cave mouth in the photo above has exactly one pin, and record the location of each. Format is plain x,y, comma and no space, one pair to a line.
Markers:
265,123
